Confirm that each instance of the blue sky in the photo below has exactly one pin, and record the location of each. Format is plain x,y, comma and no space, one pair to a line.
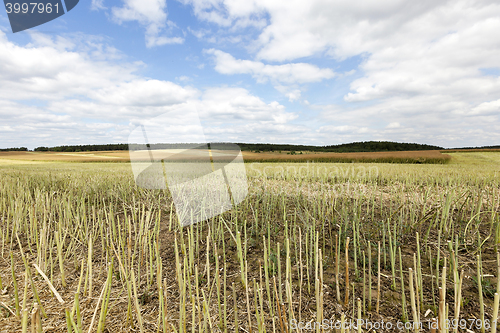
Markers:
307,72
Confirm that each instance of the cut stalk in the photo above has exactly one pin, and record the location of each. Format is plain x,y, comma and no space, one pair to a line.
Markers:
458,300
235,305
403,296
346,299
480,287
57,236
378,281
495,314
14,282
412,300
369,276
337,287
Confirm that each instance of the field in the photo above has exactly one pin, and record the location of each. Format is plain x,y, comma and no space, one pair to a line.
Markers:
108,156
423,156
383,242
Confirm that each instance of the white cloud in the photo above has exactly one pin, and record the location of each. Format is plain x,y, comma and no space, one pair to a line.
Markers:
239,14
287,73
97,5
50,85
45,99
228,114
343,129
393,125
32,126
95,47
421,76
50,69
421,62
302,28
285,78
423,119
291,93
237,104
143,92
486,108
152,15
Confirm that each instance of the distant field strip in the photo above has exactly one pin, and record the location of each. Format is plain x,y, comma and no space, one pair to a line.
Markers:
427,156
119,156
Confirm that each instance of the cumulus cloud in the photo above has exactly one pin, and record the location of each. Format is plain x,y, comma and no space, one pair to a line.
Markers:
297,28
393,125
287,73
291,93
422,119
421,61
237,104
51,68
285,78
486,109
143,92
97,5
45,99
228,114
152,15
239,14
427,70
232,114
343,129
32,126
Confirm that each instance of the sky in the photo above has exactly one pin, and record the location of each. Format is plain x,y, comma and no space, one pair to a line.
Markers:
316,72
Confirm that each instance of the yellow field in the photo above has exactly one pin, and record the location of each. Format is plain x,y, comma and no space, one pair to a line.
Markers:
429,156
110,156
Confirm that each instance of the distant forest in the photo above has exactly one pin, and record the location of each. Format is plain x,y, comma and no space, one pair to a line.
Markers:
15,149
355,147
108,147
359,147
484,147
368,146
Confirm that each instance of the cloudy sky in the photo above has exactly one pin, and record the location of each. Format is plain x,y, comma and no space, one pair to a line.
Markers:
311,72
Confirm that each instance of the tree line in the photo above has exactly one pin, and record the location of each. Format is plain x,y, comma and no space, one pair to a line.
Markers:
14,149
360,147
355,147
367,146
108,147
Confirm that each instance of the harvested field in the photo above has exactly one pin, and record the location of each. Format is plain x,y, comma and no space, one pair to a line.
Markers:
310,242
106,156
478,150
425,156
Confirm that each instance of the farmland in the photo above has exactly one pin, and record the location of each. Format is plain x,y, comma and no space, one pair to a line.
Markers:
312,241
425,156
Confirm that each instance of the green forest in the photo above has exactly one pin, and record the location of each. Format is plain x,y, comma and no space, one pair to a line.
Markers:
368,146
365,146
